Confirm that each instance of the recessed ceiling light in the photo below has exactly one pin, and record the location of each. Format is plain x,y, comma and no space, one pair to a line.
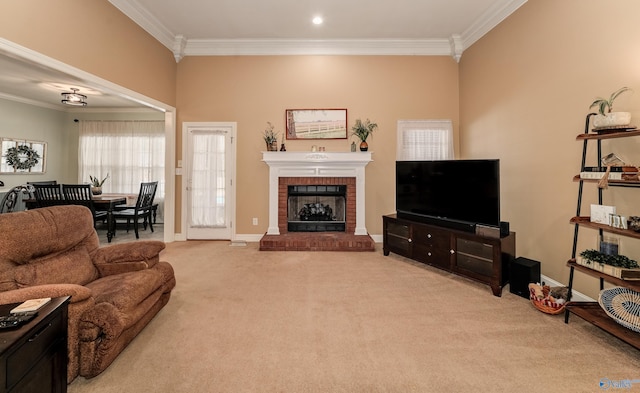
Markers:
317,20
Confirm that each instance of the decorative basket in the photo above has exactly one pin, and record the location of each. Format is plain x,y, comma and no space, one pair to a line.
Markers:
622,305
545,305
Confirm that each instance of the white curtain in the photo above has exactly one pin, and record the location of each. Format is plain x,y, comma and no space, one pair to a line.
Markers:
208,180
420,140
130,152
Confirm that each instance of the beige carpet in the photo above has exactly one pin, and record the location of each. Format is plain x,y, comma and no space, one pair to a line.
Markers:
241,320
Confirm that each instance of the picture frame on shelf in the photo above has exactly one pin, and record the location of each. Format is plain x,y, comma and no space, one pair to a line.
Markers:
600,214
316,123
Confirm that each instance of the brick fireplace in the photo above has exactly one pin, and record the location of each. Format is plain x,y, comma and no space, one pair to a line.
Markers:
320,169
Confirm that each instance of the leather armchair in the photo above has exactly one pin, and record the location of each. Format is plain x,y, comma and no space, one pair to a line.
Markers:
115,290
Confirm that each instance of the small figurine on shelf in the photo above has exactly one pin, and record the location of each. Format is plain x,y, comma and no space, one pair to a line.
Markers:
353,146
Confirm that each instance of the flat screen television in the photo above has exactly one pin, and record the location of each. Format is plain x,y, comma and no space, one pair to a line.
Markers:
458,194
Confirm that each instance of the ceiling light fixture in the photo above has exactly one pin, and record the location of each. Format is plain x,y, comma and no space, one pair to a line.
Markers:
74,98
317,20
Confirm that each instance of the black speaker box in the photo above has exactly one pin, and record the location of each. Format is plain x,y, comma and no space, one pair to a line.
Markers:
504,228
522,272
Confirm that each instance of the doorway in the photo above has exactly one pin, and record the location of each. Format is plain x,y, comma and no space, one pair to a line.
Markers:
209,171
63,72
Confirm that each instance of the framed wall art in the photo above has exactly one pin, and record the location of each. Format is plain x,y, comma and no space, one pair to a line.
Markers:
21,156
316,123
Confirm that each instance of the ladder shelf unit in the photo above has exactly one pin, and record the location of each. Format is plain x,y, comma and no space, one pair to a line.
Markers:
592,311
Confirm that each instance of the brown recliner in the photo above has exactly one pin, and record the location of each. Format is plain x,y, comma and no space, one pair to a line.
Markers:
115,290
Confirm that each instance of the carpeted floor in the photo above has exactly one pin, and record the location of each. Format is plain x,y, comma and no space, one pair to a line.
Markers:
241,320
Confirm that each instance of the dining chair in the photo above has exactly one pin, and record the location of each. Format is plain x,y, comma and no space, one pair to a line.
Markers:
11,200
48,194
142,210
44,182
80,194
32,194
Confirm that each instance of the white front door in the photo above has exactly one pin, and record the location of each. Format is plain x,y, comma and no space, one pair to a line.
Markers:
209,180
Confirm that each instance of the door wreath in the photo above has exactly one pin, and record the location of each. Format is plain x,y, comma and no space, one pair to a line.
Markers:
22,157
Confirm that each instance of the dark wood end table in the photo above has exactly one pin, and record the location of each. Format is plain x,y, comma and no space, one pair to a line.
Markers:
33,357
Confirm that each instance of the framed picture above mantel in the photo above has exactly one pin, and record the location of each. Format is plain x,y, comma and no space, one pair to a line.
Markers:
316,123
20,156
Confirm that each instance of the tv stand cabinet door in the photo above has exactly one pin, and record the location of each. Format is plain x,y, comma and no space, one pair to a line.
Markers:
396,237
432,245
484,259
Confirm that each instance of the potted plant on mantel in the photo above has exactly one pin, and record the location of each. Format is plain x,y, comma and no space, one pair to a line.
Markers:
270,138
362,129
606,117
96,184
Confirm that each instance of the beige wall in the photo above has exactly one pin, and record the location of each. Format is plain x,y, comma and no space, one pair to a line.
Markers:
254,90
525,91
95,37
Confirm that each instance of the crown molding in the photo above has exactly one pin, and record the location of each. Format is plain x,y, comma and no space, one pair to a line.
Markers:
490,19
316,47
182,46
140,15
28,101
46,105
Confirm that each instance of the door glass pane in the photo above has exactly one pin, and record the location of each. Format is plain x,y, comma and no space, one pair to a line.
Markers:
208,180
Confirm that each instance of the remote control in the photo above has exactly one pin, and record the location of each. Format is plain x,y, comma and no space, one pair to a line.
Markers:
17,319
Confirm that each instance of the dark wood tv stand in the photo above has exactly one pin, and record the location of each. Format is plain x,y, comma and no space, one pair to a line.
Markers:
484,259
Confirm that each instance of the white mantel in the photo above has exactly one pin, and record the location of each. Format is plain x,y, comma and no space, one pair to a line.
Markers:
316,164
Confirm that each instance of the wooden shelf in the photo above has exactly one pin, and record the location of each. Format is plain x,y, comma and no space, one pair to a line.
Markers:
585,222
609,135
614,183
593,313
633,284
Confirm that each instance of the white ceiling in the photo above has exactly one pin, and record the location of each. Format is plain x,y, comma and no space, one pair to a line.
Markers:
261,27
228,27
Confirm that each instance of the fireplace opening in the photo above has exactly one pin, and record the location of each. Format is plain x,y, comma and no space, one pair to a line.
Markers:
316,208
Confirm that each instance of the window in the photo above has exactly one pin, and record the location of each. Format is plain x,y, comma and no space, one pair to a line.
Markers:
130,152
422,140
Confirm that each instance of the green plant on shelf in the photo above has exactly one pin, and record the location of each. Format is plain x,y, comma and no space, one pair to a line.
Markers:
612,260
606,105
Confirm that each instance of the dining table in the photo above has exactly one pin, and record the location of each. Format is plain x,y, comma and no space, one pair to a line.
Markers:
108,202
102,202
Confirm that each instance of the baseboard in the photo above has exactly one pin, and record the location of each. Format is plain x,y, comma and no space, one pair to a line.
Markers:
377,238
575,295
